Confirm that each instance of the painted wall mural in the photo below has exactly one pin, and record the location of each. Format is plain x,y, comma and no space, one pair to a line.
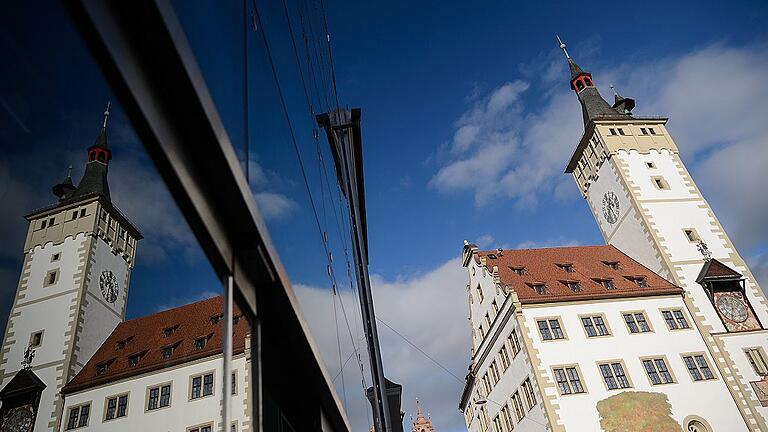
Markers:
637,412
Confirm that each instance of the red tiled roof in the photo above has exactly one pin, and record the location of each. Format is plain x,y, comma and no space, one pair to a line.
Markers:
590,267
146,335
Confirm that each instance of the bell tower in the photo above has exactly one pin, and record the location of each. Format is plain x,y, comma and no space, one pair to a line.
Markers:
73,287
629,170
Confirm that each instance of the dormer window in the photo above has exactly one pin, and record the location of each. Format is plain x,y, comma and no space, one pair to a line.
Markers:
612,264
167,351
574,286
606,283
568,268
201,342
133,359
639,281
237,319
168,331
123,342
216,318
540,288
519,270
102,368
492,256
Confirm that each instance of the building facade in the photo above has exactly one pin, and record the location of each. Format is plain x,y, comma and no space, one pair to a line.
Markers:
163,372
78,257
691,324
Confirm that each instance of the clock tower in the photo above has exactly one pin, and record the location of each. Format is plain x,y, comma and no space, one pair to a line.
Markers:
73,288
645,202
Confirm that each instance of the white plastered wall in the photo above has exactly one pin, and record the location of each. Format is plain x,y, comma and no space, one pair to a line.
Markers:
181,414
578,412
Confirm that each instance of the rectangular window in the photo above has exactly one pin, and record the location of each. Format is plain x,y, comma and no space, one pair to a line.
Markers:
595,326
514,343
497,424
486,384
51,222
506,416
660,183
657,370
43,224
36,339
82,212
756,358
636,322
517,401
204,428
495,308
494,368
530,397
202,385
653,132
51,277
159,397
621,131
78,416
488,321
675,319
612,131
74,214
614,376
550,329
568,380
644,131
117,407
479,290
698,367
691,235
504,357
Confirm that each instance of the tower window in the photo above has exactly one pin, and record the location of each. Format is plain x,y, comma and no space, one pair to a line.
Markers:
653,132
650,165
580,85
691,235
82,212
51,278
660,183
612,131
756,358
74,215
55,257
621,131
43,224
644,131
587,81
36,339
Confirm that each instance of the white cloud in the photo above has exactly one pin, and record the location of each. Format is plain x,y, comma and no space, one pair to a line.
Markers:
430,309
273,205
536,244
711,96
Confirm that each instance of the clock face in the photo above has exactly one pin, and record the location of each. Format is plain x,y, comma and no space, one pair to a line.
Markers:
108,285
18,419
732,308
611,207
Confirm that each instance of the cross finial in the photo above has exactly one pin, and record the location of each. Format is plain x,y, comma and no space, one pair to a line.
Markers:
562,47
106,114
614,90
69,171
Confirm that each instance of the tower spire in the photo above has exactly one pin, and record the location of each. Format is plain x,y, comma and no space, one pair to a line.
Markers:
593,106
106,115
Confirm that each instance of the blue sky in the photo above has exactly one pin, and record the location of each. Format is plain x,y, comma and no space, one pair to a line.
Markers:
468,123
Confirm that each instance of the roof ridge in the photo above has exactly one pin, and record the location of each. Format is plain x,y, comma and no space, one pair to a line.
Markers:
176,308
544,248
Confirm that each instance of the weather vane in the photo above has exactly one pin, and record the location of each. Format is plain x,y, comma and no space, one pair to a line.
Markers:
562,46
702,247
29,355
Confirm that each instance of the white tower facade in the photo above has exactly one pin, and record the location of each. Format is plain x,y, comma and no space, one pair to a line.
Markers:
73,287
647,205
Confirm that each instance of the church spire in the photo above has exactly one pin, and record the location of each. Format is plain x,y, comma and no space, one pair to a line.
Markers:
421,424
593,106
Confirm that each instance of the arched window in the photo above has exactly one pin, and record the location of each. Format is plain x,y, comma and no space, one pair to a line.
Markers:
580,85
696,426
588,81
92,157
101,156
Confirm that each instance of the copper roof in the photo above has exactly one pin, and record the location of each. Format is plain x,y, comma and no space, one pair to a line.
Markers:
590,266
146,336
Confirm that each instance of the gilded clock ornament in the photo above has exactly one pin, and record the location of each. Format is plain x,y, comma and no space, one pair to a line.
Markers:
610,207
108,285
19,419
732,307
